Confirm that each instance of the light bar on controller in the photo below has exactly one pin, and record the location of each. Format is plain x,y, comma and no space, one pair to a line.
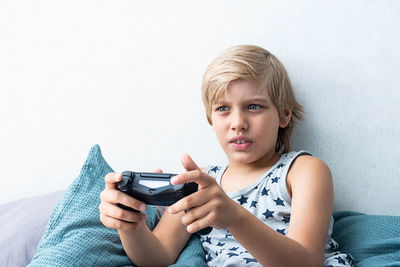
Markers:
154,183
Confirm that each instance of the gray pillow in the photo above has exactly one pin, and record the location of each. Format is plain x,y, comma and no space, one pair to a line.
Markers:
22,224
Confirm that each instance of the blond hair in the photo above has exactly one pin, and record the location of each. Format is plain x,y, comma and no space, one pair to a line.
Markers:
255,64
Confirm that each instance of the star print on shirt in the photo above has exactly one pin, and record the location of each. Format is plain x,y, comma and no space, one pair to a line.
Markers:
281,231
231,254
280,165
268,213
279,202
340,260
253,204
286,219
209,258
243,200
215,169
234,248
265,192
250,260
208,240
220,244
275,180
228,235
333,246
350,258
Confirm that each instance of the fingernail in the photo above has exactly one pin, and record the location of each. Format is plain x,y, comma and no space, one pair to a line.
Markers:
169,210
142,207
173,180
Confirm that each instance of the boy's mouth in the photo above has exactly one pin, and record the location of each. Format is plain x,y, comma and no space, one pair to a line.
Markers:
240,140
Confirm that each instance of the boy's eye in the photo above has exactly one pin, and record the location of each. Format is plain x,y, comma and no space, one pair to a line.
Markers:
254,106
222,108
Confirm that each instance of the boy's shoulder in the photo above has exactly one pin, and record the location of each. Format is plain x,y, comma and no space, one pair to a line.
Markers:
306,161
308,167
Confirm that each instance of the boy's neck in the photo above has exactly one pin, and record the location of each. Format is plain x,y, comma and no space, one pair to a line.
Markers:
263,163
232,180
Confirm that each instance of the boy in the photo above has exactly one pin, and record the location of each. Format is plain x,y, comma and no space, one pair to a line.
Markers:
268,206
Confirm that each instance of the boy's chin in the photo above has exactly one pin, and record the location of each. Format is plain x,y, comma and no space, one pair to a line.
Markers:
242,159
250,158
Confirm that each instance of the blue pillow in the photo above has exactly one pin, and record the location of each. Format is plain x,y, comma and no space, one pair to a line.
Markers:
373,240
75,236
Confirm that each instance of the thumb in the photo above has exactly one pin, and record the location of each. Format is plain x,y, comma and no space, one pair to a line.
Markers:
188,163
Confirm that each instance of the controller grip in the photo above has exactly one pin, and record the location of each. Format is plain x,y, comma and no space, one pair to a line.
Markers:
205,231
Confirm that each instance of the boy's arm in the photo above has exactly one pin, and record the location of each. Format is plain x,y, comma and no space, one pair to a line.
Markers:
310,183
158,248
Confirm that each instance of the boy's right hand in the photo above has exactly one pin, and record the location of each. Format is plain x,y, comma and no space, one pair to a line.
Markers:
111,215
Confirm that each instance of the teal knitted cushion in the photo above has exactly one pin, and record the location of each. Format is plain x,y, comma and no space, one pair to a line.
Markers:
75,236
373,240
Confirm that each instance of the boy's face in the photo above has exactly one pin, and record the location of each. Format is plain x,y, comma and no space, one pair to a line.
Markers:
246,123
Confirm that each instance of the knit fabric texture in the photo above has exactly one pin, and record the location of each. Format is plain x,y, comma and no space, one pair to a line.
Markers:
373,240
75,235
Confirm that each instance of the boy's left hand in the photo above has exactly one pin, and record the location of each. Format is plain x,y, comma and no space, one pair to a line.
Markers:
209,206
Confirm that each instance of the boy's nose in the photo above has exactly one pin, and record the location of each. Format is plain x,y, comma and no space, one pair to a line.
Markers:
238,121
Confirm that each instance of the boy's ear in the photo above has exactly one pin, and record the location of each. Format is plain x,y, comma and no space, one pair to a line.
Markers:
285,121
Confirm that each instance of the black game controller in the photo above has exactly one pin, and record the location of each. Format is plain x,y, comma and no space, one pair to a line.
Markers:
155,189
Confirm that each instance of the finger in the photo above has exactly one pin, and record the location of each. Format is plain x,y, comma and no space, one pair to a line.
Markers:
199,224
118,197
194,200
116,212
112,180
188,163
196,176
194,214
118,224
158,171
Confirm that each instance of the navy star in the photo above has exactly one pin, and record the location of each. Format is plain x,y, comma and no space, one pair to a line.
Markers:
228,235
275,180
332,245
350,258
250,260
209,258
280,165
208,240
215,169
220,244
234,248
244,252
282,231
253,204
286,219
340,260
243,200
265,192
231,254
269,174
279,202
268,213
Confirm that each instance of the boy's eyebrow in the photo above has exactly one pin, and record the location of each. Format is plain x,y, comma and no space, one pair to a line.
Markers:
255,99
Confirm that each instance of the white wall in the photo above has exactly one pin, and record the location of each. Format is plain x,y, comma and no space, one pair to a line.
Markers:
126,75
